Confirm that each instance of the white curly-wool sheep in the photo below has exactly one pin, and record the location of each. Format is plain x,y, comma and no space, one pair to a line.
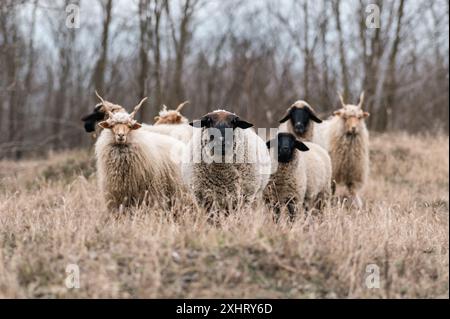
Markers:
171,123
230,169
303,177
136,166
346,138
166,116
300,120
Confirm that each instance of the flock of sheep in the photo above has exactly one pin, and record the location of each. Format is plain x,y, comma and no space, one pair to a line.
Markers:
223,162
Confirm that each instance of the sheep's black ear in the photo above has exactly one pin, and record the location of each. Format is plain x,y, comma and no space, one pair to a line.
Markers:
314,116
89,126
242,124
90,120
286,117
203,122
301,146
270,143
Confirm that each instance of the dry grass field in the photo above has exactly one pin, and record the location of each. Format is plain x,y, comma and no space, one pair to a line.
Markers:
52,215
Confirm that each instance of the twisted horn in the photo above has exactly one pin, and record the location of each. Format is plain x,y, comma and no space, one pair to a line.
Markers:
361,99
341,98
106,104
101,99
137,107
180,107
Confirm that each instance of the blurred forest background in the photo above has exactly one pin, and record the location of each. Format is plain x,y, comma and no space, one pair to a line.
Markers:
253,57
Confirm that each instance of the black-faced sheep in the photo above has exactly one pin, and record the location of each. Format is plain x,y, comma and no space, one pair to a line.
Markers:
298,120
100,113
287,186
346,138
135,166
226,163
301,179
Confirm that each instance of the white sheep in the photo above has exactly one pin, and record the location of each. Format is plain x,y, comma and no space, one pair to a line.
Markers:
346,138
299,120
171,123
226,163
134,165
166,116
302,180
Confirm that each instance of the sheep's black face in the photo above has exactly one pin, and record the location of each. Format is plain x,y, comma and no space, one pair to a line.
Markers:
287,144
91,119
220,126
300,118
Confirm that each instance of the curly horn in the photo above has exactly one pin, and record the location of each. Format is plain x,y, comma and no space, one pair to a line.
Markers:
101,99
180,107
137,107
341,98
105,104
361,99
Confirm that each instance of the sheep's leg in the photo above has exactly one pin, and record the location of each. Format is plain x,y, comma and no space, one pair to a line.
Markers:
277,212
292,211
307,204
333,187
356,199
320,202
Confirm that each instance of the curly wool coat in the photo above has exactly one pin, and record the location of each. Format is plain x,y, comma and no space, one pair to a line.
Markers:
144,169
227,184
349,154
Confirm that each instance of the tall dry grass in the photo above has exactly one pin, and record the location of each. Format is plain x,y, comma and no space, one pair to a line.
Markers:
52,215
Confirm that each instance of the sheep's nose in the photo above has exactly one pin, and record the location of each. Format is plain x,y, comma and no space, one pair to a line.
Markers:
284,149
353,129
299,127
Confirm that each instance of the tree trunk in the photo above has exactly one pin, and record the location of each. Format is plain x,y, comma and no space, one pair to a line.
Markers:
100,67
342,58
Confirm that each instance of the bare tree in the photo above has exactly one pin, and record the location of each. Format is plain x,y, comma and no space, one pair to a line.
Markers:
342,56
181,36
98,78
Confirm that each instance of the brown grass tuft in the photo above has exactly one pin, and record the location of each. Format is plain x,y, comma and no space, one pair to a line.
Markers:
51,215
